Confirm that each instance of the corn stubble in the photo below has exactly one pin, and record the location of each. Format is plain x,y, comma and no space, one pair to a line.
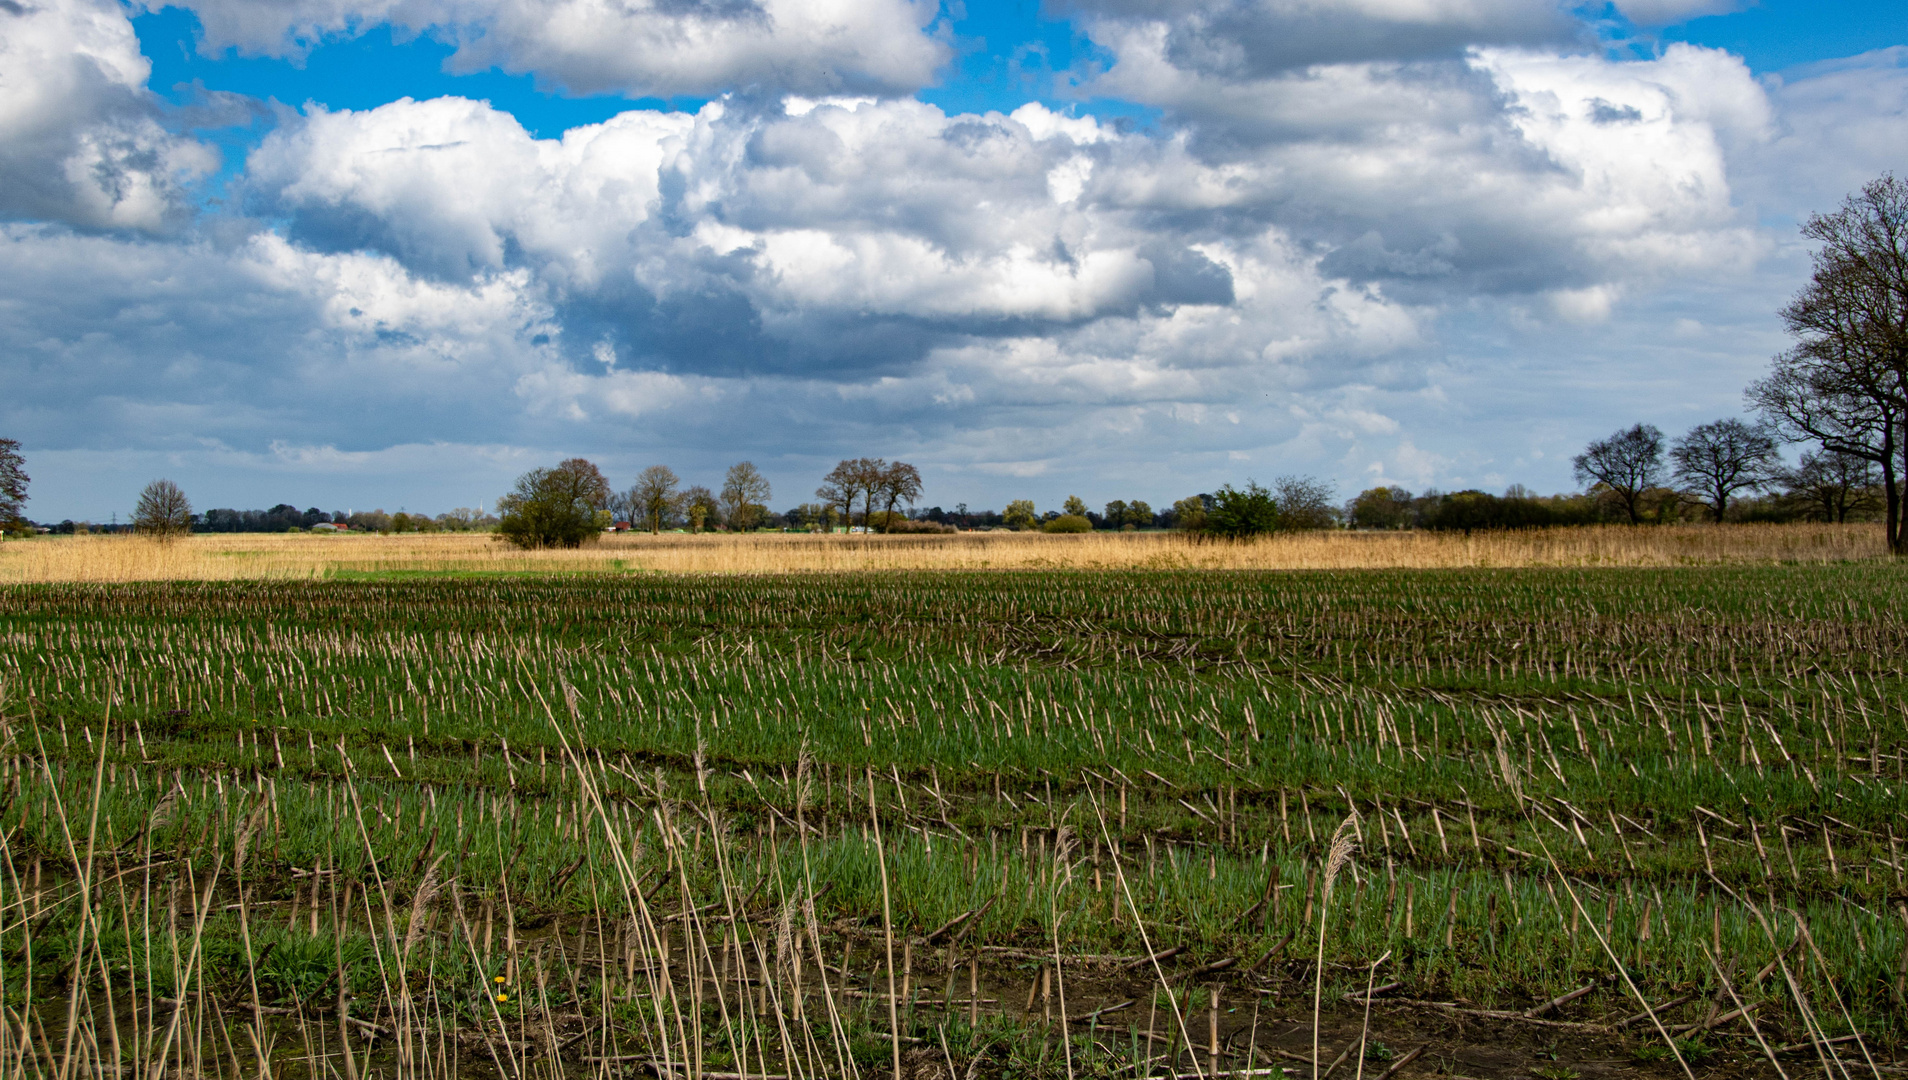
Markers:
1051,824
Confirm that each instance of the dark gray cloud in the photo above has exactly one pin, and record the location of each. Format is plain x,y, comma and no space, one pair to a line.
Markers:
1251,39
639,48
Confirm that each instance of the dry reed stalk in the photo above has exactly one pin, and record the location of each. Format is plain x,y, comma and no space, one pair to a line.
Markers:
1119,876
1747,1013
731,937
87,919
1802,930
1338,854
1603,940
627,878
303,556
804,792
887,928
202,910
1062,849
1371,980
677,847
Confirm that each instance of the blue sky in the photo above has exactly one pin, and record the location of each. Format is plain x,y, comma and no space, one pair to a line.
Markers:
392,252
1005,54
1008,52
1774,36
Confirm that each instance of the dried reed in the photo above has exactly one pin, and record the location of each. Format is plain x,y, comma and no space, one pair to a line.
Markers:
1339,853
306,556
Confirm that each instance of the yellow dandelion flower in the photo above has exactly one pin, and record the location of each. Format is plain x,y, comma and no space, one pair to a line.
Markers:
503,997
498,979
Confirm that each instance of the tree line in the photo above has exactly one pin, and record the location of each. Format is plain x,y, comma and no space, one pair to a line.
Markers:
283,518
1727,470
574,502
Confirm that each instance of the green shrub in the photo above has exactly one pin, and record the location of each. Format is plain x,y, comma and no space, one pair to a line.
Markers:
552,508
1239,513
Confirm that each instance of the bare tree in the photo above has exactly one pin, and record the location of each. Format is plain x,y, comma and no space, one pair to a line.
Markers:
1831,485
653,497
849,480
163,511
895,484
1305,502
745,494
1845,383
1842,401
1719,459
837,489
585,482
1629,463
13,481
871,472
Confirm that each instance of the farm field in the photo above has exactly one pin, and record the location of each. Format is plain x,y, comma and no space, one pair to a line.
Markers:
1537,822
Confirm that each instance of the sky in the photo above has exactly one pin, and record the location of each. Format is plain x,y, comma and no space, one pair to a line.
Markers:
391,254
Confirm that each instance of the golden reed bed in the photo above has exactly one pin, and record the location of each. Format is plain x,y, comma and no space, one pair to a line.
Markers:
229,556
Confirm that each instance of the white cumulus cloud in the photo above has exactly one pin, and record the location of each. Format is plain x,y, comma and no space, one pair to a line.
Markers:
80,140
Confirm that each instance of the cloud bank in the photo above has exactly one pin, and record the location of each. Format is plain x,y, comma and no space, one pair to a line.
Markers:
1348,224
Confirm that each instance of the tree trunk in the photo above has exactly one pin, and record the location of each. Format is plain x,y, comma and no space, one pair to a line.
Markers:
1891,491
1893,518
